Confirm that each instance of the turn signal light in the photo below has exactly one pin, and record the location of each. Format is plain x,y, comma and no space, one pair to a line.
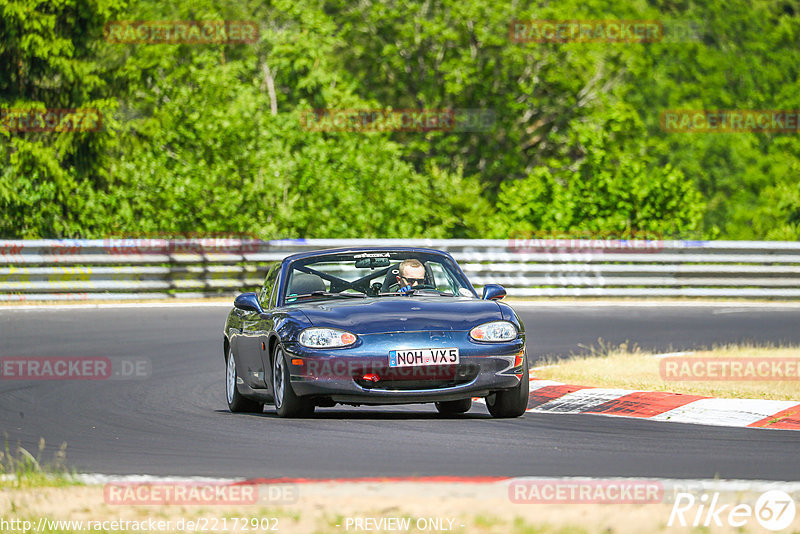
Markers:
518,362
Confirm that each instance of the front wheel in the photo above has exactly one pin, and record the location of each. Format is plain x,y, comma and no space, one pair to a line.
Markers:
454,407
511,402
287,404
237,402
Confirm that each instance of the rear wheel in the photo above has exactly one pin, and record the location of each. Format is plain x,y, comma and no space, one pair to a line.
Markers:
511,402
454,407
287,404
236,402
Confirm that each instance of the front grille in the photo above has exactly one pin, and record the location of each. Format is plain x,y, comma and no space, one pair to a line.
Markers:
420,377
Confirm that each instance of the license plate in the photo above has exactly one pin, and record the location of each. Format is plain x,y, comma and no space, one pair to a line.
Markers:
415,357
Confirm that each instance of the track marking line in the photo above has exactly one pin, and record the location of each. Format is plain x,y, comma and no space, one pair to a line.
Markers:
669,484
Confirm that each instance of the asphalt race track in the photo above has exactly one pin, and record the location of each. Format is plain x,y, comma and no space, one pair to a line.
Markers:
176,422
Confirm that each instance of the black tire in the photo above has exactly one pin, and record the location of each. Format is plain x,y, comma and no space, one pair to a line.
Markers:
454,407
237,402
511,402
287,404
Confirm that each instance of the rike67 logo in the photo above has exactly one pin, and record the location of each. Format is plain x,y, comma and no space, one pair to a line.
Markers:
774,510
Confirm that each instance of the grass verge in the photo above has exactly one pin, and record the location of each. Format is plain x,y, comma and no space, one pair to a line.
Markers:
20,469
331,508
630,368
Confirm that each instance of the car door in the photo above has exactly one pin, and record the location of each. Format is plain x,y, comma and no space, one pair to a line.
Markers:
255,331
266,327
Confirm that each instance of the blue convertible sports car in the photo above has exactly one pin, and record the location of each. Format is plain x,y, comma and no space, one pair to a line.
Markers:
373,326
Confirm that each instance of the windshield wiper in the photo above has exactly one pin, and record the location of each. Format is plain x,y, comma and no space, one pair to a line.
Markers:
327,294
425,291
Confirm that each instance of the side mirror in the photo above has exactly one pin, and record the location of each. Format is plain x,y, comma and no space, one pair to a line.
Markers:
248,302
493,292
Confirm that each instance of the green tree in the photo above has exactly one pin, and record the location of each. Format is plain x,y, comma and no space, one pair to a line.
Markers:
49,181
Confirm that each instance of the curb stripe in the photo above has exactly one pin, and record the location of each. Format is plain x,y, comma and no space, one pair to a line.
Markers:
725,412
644,404
536,383
788,419
581,400
551,392
547,396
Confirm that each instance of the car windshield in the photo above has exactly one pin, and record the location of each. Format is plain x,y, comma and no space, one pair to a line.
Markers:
375,274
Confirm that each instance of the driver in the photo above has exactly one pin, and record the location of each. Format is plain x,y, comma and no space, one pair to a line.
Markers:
411,273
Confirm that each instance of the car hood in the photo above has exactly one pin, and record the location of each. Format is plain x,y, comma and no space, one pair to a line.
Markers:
402,314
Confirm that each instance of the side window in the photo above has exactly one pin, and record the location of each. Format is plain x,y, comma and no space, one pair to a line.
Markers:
269,284
274,296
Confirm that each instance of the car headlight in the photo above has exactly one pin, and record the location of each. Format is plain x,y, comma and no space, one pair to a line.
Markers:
319,338
494,331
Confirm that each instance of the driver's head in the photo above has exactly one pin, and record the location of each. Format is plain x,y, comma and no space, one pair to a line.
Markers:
412,273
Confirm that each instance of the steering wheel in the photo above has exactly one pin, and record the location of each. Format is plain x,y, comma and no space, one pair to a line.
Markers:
424,286
414,288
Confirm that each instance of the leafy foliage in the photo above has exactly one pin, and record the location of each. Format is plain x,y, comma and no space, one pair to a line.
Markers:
209,138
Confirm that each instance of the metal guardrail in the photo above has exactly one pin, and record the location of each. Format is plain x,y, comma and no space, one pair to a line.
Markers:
191,268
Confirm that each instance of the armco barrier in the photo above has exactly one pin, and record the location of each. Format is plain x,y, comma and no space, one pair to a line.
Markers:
186,268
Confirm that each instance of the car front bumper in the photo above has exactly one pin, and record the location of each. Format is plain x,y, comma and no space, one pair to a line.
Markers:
360,374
